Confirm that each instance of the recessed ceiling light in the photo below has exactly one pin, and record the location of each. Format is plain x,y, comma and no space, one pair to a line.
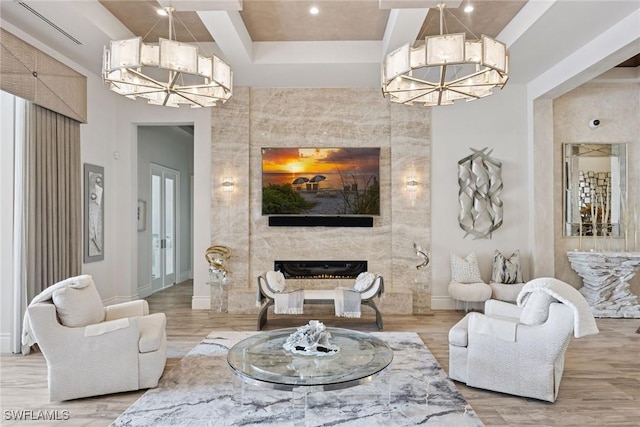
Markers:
162,12
468,8
314,10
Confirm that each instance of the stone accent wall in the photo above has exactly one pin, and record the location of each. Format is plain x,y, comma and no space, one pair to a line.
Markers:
255,118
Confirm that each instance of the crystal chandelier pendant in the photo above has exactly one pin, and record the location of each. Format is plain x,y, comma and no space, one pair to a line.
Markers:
169,73
444,69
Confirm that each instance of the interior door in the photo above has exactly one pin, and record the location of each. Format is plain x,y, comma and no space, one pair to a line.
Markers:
164,198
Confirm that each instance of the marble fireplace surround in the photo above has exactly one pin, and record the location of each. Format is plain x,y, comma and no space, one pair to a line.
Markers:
259,117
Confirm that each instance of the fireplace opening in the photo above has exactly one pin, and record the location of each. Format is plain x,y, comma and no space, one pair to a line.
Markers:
320,269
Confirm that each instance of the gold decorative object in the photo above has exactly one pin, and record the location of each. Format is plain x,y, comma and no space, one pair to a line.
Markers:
217,257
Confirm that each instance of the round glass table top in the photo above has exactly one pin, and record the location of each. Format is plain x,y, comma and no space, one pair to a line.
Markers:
261,359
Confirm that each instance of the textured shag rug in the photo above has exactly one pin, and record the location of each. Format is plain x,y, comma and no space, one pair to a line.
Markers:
202,391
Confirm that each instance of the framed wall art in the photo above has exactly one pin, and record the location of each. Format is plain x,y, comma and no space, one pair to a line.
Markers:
93,213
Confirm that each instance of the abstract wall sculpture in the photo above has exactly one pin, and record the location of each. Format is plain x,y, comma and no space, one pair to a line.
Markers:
480,180
93,213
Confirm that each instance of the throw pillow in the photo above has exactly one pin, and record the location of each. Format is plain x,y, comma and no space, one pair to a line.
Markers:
78,307
465,270
536,308
506,270
363,281
276,281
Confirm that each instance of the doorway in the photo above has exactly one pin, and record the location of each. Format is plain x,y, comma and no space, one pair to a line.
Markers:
164,239
165,164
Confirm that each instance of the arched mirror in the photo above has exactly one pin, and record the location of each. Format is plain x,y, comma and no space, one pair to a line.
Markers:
595,189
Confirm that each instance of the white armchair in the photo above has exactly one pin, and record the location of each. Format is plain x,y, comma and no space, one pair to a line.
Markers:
92,350
520,350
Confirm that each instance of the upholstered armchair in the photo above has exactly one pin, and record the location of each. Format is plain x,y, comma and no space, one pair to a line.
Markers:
90,349
519,349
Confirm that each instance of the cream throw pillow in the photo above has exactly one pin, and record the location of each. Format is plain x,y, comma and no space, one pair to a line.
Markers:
79,307
465,270
276,281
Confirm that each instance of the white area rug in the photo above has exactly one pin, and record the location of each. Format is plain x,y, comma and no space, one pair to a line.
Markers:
202,391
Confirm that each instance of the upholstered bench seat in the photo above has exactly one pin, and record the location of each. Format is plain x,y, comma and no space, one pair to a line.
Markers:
267,296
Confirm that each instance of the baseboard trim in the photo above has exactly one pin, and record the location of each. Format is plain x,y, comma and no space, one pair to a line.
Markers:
5,343
201,303
144,291
118,300
185,275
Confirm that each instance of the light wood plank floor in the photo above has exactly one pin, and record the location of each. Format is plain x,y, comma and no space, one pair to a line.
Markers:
600,386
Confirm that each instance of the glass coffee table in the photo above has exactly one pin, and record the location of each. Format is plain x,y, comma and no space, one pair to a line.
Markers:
261,360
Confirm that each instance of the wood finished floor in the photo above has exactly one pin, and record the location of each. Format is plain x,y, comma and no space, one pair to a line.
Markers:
600,386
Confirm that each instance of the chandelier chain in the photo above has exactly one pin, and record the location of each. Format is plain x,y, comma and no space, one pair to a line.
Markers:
462,23
191,34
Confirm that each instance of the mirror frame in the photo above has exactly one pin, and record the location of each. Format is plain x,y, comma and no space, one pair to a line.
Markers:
571,227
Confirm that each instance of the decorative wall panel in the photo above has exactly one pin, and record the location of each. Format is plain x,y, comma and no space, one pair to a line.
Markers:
480,180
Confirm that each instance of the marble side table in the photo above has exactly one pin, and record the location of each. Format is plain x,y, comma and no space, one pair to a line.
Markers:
606,278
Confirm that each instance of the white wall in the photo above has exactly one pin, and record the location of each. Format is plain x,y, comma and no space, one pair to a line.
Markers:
6,220
112,131
171,147
500,123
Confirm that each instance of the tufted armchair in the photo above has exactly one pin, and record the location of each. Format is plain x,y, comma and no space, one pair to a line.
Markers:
90,349
519,349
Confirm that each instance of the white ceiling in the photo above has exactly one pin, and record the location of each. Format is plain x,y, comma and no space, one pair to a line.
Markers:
324,53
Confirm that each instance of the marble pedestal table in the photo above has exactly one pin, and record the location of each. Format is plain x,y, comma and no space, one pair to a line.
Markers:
218,295
606,278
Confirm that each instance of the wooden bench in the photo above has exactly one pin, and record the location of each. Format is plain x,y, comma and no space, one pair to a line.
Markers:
319,296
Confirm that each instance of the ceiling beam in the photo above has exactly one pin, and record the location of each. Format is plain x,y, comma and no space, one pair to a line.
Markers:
403,27
230,34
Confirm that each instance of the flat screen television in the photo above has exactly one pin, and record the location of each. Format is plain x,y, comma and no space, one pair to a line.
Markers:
321,181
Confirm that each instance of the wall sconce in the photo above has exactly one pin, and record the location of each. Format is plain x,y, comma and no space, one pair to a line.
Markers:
227,184
412,188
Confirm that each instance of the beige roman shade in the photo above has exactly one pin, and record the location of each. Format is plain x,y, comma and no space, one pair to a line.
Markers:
35,76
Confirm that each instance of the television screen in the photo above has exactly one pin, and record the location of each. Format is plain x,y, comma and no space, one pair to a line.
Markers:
321,181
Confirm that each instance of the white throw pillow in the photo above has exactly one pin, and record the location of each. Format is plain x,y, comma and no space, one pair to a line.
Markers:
79,307
506,270
465,270
536,308
363,281
276,281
